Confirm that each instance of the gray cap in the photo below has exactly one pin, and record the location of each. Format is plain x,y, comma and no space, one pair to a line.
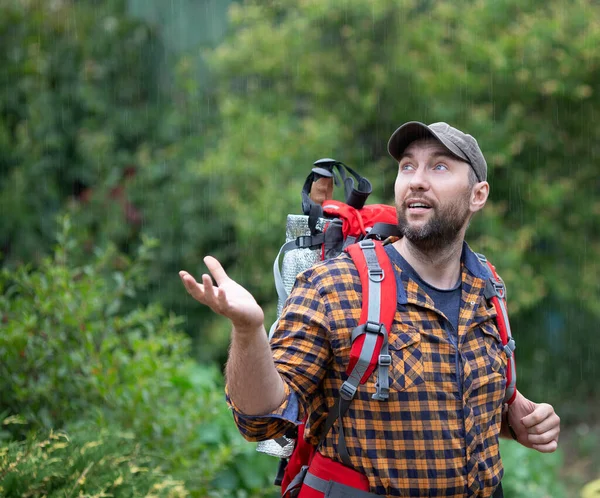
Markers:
463,146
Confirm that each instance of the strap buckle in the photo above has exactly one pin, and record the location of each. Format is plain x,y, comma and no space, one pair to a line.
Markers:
385,360
376,274
510,347
494,288
374,327
381,393
369,327
347,391
367,244
500,289
304,241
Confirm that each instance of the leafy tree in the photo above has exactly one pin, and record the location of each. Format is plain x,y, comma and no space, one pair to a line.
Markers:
75,104
303,80
87,125
217,171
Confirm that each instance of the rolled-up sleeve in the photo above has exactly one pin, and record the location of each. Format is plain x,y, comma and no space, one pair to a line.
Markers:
271,425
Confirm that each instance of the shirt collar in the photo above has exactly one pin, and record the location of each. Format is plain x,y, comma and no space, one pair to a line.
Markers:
473,264
469,259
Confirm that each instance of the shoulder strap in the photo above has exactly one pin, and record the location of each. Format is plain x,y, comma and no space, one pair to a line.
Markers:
370,338
377,314
495,293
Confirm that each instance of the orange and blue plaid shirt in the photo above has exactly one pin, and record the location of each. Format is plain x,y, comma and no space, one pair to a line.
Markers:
437,434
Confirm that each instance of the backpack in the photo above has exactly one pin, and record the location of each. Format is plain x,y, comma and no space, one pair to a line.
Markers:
324,231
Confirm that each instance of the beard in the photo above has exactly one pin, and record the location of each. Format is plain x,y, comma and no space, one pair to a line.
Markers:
442,229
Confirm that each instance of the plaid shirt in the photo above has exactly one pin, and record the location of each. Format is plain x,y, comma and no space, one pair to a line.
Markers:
437,434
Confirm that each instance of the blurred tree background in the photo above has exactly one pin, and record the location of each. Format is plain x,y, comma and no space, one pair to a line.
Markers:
159,132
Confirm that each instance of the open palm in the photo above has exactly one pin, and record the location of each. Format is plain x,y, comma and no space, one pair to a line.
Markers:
227,298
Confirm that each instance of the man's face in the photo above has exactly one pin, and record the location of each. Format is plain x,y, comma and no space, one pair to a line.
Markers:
433,195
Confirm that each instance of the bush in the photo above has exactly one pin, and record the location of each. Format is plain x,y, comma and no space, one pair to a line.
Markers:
76,103
74,350
530,474
520,76
91,461
87,124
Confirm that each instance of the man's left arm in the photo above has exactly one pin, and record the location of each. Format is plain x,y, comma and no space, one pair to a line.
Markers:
535,425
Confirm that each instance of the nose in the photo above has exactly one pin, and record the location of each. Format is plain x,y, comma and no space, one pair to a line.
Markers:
419,180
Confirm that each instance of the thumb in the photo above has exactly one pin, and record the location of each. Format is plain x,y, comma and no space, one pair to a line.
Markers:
215,269
532,418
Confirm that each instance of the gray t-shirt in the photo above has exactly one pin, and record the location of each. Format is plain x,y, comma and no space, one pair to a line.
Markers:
445,300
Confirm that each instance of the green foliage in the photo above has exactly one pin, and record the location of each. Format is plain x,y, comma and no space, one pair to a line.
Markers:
88,125
92,461
65,338
74,351
216,171
343,69
75,104
302,80
530,474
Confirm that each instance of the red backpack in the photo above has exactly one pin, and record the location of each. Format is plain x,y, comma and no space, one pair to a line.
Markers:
361,231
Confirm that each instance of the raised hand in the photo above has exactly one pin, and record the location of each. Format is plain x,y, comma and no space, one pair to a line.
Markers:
536,425
227,298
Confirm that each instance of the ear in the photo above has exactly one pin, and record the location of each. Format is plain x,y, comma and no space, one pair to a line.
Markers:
479,195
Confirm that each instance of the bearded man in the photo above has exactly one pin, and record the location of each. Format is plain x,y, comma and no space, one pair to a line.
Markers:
437,433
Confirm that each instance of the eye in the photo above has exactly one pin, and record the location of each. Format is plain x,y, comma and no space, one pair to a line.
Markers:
406,167
440,167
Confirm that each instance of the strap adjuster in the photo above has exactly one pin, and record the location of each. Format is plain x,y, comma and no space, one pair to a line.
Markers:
381,393
385,360
347,391
367,244
500,290
304,241
494,288
376,274
510,347
374,327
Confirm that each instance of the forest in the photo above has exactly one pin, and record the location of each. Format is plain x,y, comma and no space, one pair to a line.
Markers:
120,166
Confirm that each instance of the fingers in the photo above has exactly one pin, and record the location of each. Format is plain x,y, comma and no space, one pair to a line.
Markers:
216,270
544,438
548,424
205,293
201,292
197,290
546,448
214,296
189,282
545,432
543,428
194,288
540,413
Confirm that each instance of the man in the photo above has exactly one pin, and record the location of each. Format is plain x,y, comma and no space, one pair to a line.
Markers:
437,434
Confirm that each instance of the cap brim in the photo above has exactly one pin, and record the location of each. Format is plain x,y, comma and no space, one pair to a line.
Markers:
414,130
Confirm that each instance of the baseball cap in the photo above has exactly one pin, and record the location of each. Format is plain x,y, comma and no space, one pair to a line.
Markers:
460,144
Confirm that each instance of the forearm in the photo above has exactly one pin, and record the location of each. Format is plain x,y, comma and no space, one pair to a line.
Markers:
253,383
